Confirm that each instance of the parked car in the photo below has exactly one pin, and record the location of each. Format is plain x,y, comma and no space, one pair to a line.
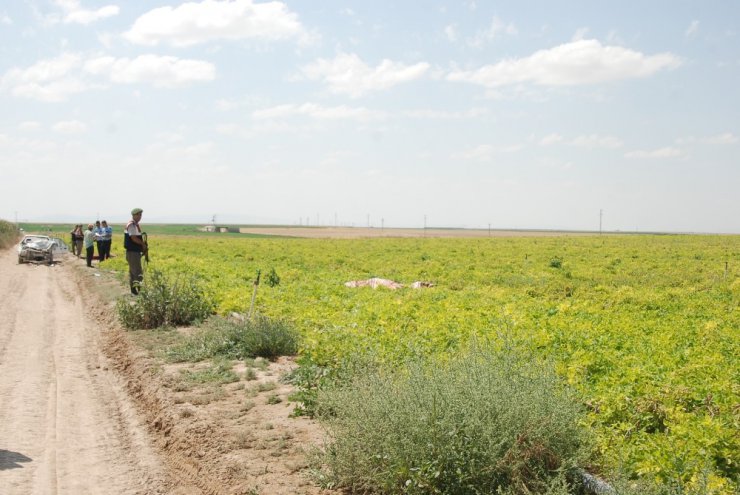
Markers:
41,248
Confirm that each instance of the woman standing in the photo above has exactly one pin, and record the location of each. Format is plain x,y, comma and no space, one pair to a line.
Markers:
78,237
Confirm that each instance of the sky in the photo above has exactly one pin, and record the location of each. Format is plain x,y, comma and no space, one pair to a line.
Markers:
573,115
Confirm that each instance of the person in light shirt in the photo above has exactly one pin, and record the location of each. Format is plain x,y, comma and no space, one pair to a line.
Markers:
89,241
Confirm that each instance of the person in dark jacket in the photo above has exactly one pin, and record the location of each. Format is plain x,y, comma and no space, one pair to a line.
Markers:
135,246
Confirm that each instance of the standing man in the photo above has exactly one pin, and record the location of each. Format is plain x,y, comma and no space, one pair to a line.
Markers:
107,236
98,233
135,249
89,240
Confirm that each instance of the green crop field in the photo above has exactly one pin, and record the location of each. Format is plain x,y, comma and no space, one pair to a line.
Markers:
645,328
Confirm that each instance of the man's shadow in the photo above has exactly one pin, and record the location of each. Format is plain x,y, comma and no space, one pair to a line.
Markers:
12,460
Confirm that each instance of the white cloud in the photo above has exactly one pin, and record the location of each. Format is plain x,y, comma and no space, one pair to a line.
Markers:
451,32
69,127
160,71
692,30
192,23
574,63
485,152
315,111
4,19
75,13
442,115
29,126
724,138
496,29
580,34
225,105
348,74
596,141
667,152
551,139
56,79
47,80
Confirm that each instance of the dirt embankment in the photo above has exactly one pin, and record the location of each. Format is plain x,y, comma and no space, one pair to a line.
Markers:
85,404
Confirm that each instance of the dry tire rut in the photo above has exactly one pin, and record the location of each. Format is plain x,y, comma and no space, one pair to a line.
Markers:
67,425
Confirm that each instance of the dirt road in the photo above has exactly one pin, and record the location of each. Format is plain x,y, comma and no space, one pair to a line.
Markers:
67,425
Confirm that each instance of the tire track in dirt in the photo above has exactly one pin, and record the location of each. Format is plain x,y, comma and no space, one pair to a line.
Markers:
66,424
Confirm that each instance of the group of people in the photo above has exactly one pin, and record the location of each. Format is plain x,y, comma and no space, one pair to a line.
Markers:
134,241
101,234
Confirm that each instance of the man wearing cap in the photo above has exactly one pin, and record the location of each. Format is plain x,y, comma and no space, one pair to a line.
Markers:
135,249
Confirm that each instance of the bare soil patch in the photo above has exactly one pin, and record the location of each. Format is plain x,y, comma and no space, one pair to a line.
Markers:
231,438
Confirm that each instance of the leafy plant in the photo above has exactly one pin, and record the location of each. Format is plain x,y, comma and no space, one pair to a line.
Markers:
257,337
484,422
272,278
165,301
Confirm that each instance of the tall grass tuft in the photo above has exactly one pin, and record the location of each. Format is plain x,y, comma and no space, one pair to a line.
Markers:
259,336
8,234
165,301
485,422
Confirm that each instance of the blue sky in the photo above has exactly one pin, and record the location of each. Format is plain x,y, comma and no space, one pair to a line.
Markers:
533,114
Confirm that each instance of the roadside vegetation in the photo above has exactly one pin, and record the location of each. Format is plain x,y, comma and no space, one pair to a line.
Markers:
239,339
484,421
166,301
8,234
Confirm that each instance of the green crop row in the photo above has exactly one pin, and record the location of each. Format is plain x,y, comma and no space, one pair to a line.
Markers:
646,328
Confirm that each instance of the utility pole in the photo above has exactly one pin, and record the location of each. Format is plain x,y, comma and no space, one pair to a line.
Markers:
489,230
382,224
368,220
601,214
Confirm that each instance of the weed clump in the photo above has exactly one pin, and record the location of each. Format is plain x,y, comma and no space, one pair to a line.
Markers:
165,301
259,336
484,422
8,234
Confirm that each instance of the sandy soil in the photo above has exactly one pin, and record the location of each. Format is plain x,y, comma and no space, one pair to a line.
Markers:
364,232
86,408
66,422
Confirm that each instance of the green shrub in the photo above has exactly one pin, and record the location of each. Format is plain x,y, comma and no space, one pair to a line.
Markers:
556,262
165,301
8,234
485,422
272,279
257,337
